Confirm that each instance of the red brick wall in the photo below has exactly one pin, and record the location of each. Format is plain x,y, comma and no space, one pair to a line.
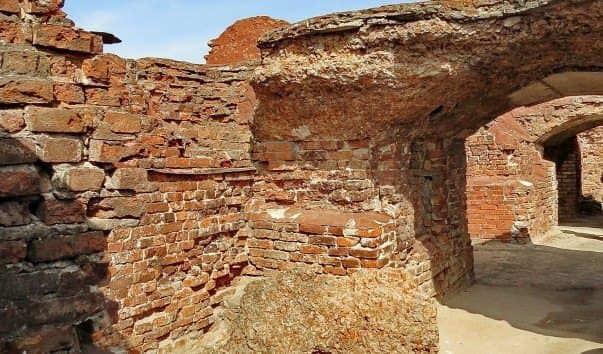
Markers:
591,163
134,192
122,185
509,152
568,177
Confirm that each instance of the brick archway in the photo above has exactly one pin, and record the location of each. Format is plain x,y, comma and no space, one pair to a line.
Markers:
519,162
411,82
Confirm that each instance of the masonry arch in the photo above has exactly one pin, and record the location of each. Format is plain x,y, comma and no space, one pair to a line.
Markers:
413,81
515,164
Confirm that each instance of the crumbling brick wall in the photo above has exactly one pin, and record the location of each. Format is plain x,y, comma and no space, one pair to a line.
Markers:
591,164
122,188
135,191
518,188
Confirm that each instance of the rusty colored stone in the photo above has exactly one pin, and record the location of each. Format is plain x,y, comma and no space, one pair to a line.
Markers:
25,90
54,211
53,120
19,181
50,249
67,38
238,43
59,150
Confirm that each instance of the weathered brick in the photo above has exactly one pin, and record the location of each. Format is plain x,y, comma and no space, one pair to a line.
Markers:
42,6
121,207
70,93
123,122
53,211
79,179
365,253
11,121
19,181
59,149
111,151
21,62
12,251
11,31
53,120
25,90
68,246
9,6
129,178
14,213
103,97
66,38
17,151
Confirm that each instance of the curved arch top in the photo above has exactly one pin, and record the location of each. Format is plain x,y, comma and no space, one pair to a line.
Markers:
428,68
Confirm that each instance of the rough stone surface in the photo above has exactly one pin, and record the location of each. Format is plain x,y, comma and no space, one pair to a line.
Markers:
377,311
338,151
238,44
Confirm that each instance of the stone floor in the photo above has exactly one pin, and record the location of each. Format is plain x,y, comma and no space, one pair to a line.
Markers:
541,298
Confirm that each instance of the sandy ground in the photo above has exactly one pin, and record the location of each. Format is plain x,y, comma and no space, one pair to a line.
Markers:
544,298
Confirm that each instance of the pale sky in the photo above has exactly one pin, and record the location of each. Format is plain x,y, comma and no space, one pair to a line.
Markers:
180,29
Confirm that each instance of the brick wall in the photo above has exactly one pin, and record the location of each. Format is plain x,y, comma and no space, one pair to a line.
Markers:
511,189
568,176
122,188
527,165
134,192
591,164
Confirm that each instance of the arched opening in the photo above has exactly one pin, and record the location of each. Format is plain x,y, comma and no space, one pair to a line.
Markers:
414,93
534,219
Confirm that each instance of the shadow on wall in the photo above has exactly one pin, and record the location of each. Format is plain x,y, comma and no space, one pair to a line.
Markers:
51,264
542,289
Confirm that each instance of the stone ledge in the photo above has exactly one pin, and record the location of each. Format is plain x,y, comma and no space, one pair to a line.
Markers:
202,171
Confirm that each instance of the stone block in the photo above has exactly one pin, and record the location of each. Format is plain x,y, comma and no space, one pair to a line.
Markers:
14,213
20,62
19,181
54,211
11,121
69,93
12,251
69,246
17,151
123,122
129,178
11,31
43,6
25,90
103,97
111,151
53,120
11,6
110,224
61,339
67,38
59,150
86,177
121,207
27,285
101,67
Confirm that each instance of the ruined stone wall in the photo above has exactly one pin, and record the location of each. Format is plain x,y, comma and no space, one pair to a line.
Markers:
522,175
568,177
121,192
511,188
591,163
134,192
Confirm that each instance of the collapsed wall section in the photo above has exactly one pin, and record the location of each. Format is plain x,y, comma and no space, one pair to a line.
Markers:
121,191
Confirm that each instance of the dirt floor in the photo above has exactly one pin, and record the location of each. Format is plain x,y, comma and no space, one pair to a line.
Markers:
543,298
